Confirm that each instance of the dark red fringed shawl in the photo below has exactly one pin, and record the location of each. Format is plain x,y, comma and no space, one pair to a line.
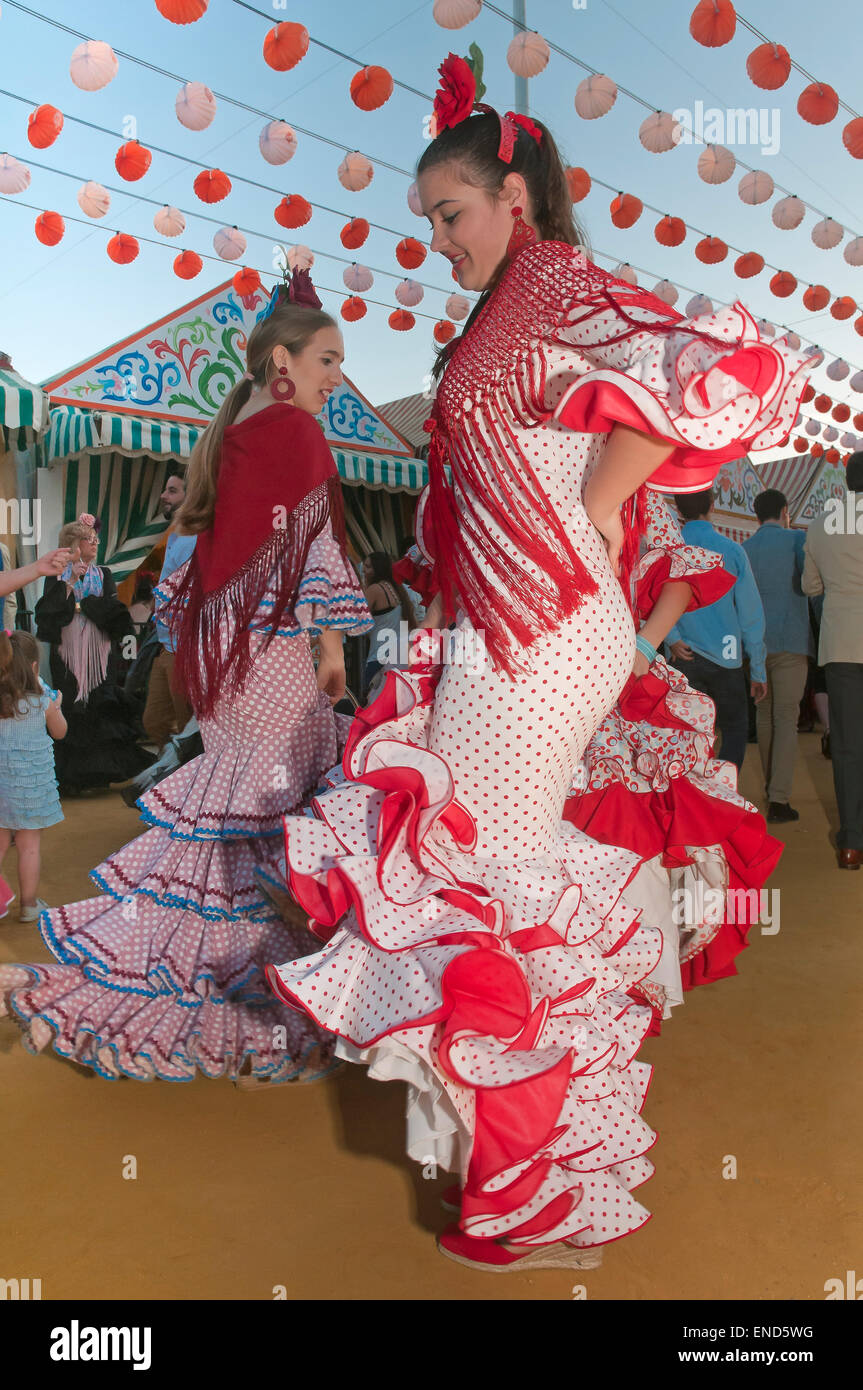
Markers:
277,486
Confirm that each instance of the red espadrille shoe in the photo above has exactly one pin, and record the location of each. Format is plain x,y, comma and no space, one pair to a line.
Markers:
499,1258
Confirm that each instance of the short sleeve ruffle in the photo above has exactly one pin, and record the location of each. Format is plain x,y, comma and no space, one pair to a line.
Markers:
668,559
329,594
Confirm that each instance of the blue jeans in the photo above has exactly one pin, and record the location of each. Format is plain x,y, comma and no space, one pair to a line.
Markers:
726,686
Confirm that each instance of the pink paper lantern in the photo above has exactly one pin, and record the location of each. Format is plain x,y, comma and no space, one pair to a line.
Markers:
93,199
94,64
169,221
528,54
853,252
716,164
659,132
277,142
699,305
410,293
195,106
414,200
229,243
788,213
358,278
838,369
827,233
14,176
301,257
755,187
595,96
455,14
356,172
624,271
457,307
667,292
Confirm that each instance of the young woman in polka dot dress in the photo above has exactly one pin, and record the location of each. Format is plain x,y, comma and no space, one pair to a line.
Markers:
476,945
162,977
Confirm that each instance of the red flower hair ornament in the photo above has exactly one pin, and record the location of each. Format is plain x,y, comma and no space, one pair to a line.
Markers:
457,98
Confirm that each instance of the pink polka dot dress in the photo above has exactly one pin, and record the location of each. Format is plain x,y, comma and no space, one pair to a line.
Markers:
474,943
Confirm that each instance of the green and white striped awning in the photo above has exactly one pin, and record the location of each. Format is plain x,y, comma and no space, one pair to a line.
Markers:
23,408
124,494
72,432
380,471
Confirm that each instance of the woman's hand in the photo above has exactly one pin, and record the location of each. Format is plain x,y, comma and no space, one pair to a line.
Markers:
331,678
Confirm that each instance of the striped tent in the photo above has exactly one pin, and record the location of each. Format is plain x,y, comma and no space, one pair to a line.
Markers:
124,494
23,409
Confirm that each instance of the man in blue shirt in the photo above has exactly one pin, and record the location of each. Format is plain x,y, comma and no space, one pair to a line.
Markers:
166,712
708,644
777,555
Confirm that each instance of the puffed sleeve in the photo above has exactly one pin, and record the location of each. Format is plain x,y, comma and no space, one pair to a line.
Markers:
329,593
54,611
667,559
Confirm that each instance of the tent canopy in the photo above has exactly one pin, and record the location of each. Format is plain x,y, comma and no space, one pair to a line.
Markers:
23,408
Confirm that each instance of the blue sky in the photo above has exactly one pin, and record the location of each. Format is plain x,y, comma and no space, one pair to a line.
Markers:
59,305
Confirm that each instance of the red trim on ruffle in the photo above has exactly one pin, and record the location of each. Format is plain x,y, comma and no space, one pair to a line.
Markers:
707,585
420,578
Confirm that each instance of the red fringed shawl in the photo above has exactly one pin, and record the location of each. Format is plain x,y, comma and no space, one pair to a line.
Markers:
277,486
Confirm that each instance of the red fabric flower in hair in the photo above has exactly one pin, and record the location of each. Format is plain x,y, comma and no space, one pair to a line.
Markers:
454,99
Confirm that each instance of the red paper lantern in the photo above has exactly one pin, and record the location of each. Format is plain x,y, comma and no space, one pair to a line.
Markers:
370,88
818,103
852,137
670,231
353,308
816,297
750,263
293,211
182,11
188,264
711,249
768,65
808,394
713,22
843,307
49,228
43,126
579,183
285,45
858,420
801,445
858,325
212,186
782,284
444,330
831,456
410,253
401,320
246,282
122,248
822,403
817,450
354,233
132,161
841,413
626,210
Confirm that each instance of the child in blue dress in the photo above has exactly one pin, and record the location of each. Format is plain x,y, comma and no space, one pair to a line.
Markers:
29,718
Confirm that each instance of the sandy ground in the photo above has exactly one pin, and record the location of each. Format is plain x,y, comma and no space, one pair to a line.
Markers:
307,1187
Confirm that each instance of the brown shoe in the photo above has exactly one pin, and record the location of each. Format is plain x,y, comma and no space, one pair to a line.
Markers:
850,858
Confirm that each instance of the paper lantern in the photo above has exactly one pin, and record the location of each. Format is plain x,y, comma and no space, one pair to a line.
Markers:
527,54
122,248
808,394
853,252
856,384
749,264
801,446
211,186
858,418
579,183
595,96
713,23
813,427
195,106
356,172
818,103
358,278
229,243
831,456
246,282
659,132
766,328
830,434
826,234
822,403
169,221
698,306
43,126
755,187
782,284
837,371
444,330
711,250
293,211
414,201
626,209
410,293
788,213
716,164
94,64
300,257
410,253
14,176
354,233
401,320
132,161
670,231
277,142
457,307
50,228
816,297
665,291
455,14
768,66
353,309
625,272
852,137
93,199
841,412
793,340
187,265
858,326
182,11
843,307
371,87
848,441
817,450
286,45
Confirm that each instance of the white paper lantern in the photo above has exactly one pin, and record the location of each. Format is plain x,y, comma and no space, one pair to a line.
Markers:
756,187
195,106
94,64
853,252
812,351
766,328
625,272
355,172
93,199
358,278
667,292
848,441
229,243
595,96
455,14
856,382
457,307
788,213
528,54
813,427
838,369
414,200
716,164
830,435
798,420
169,221
14,176
277,142
659,132
827,234
300,257
793,340
699,304
409,292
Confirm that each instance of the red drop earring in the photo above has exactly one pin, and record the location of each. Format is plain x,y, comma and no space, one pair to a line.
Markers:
282,388
522,234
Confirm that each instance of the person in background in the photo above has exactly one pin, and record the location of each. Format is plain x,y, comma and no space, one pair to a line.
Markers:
834,566
708,645
29,713
776,556
167,711
390,607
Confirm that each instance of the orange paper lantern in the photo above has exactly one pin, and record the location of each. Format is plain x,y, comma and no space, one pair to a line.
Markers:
843,307
711,250
132,161
782,284
831,456
49,228
354,233
293,211
285,45
670,231
858,420
188,264
353,308
818,103
713,22
579,183
841,413
43,126
822,403
768,66
122,248
858,325
852,137
370,88
750,263
808,394
401,320
626,210
801,445
212,186
182,11
410,253
816,297
444,330
246,282
817,450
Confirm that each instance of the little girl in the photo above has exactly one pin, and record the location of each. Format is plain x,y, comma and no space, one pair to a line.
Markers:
29,802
